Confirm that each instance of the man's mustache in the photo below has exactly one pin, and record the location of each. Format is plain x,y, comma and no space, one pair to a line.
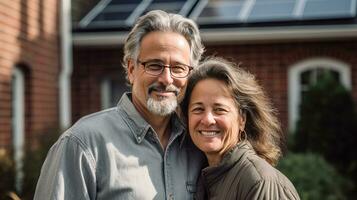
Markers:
161,88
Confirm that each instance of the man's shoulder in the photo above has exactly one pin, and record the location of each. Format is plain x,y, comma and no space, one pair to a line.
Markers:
97,122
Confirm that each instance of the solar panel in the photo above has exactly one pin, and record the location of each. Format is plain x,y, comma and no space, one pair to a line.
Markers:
251,11
109,12
123,13
115,12
218,11
329,9
166,5
121,2
272,10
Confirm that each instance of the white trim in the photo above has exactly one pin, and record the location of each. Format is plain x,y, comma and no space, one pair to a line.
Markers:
256,35
237,35
198,9
137,12
353,7
18,124
105,93
246,10
294,72
299,8
66,70
187,7
93,13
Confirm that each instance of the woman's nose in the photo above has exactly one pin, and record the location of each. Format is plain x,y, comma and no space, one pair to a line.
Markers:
208,119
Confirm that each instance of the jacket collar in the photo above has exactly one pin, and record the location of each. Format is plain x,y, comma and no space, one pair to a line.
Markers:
236,154
140,127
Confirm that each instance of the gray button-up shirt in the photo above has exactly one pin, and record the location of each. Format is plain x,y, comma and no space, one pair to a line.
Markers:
115,154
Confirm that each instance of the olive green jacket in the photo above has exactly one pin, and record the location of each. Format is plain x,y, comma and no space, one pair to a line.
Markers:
243,175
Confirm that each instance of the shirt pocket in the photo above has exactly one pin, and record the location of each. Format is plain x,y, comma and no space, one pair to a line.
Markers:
191,188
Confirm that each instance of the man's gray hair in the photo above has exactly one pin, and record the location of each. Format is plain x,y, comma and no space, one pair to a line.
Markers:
158,20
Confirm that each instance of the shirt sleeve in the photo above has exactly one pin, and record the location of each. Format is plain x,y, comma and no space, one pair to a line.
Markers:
68,172
272,189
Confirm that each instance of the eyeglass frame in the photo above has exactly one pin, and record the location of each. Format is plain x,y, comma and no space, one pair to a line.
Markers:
190,68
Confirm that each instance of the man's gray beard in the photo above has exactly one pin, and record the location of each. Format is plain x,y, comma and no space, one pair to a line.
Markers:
162,107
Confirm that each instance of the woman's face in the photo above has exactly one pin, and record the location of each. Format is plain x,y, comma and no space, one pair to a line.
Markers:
212,116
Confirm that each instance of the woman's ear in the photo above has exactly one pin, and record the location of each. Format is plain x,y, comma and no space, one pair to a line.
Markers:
242,119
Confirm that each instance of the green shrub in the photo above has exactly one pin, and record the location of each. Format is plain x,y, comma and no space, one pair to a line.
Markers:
7,172
328,124
34,159
313,177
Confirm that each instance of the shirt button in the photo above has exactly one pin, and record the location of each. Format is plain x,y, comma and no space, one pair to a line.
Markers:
171,196
139,138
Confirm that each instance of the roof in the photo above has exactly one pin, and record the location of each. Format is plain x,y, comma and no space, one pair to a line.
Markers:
226,20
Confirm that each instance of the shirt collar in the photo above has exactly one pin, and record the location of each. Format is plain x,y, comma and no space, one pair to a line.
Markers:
139,126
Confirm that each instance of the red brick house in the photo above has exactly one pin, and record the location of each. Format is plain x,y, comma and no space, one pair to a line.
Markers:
34,68
29,68
287,44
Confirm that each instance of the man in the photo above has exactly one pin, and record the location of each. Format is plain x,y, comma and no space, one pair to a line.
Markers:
138,150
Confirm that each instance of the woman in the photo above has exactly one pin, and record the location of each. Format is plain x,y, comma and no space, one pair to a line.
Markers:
231,120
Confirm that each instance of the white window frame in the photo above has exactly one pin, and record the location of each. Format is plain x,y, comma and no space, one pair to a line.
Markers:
18,124
105,93
294,75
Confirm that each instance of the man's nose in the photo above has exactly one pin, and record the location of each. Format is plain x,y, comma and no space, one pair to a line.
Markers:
165,77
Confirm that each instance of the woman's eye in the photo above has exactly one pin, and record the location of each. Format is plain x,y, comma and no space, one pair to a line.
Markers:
196,110
221,110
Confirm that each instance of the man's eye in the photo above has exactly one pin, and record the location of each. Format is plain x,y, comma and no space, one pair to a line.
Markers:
154,66
178,68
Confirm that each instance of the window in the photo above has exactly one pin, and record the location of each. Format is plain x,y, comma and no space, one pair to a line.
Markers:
111,91
308,72
18,114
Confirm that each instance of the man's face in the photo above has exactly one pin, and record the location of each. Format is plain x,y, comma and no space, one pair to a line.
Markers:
159,95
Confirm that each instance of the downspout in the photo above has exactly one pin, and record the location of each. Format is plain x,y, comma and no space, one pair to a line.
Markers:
66,69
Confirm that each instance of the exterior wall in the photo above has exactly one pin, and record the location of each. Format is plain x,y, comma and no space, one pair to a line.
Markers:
29,39
269,62
90,67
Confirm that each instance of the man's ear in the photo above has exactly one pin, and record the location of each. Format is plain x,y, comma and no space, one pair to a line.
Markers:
131,68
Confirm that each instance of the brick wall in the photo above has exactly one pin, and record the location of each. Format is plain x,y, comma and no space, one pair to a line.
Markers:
90,66
270,63
29,39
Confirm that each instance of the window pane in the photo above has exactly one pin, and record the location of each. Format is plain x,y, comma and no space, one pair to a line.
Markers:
316,9
321,72
111,16
119,2
272,10
173,7
220,12
305,77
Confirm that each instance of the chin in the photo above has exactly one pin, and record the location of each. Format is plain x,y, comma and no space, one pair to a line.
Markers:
210,149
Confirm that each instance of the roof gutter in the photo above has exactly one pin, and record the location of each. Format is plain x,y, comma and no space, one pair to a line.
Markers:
66,69
237,35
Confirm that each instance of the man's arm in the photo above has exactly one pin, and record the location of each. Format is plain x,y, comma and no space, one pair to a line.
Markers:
68,172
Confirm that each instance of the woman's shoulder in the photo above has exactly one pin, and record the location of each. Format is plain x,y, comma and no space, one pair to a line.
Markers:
264,179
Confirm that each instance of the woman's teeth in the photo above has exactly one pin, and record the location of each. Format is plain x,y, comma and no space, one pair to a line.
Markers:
209,133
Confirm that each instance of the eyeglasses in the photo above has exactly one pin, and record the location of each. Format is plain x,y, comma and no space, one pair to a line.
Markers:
156,68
